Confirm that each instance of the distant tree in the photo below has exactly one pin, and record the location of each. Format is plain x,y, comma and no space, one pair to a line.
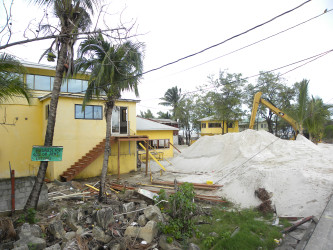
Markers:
162,115
275,91
318,114
228,97
11,79
113,69
185,114
171,98
302,100
203,106
146,114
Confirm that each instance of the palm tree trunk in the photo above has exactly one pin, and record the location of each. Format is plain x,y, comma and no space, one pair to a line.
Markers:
35,192
107,151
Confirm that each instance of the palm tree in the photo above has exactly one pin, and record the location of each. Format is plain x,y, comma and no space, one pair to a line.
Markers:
113,69
302,103
72,17
172,97
11,80
317,115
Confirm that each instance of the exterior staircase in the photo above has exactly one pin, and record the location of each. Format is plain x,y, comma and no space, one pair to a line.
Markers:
84,162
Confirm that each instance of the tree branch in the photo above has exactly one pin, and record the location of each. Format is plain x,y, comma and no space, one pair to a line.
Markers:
56,36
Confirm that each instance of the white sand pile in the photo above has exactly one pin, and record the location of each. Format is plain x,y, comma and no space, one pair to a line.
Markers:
298,173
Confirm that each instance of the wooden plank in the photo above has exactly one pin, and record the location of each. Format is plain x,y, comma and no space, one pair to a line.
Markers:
169,183
152,157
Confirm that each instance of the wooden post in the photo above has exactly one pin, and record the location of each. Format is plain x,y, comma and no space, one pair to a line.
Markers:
118,159
147,155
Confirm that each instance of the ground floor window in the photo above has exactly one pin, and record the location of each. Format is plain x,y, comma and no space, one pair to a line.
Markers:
91,112
214,125
230,124
158,143
203,125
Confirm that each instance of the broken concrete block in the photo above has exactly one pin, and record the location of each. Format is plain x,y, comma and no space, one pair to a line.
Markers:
69,216
164,245
153,213
193,246
70,235
54,247
149,231
132,231
31,241
57,230
129,207
103,217
28,238
142,220
99,235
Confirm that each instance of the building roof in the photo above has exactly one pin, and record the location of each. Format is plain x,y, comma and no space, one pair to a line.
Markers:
209,118
81,96
163,120
143,124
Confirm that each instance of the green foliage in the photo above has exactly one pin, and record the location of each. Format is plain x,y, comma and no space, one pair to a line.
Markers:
162,115
146,114
29,216
181,209
161,196
11,78
328,134
172,97
228,97
254,231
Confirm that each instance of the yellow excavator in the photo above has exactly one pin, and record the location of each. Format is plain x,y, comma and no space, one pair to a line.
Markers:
258,99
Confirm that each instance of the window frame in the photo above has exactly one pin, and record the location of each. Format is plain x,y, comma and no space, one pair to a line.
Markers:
93,112
204,125
166,143
214,125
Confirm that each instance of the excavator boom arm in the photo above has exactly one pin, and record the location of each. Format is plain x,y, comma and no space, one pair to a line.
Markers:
257,99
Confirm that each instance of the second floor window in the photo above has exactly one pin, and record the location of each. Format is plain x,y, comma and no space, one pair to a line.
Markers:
39,82
91,112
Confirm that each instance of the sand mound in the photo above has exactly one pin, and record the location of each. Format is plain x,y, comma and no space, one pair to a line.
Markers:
298,173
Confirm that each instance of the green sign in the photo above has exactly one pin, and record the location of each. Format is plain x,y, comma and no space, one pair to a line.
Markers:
40,153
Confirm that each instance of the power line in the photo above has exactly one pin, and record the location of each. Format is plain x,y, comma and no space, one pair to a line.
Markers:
251,44
315,57
228,39
215,45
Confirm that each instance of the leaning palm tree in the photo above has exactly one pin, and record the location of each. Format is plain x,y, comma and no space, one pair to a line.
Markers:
11,80
172,97
113,69
73,18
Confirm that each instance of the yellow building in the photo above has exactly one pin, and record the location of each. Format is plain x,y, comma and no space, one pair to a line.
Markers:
80,133
160,136
211,126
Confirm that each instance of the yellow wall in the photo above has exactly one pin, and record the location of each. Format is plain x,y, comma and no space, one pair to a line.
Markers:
17,140
160,134
78,136
207,131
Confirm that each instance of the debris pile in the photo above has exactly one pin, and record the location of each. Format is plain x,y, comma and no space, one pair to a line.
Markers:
127,222
298,173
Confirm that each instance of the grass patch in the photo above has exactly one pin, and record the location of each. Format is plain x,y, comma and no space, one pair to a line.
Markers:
253,230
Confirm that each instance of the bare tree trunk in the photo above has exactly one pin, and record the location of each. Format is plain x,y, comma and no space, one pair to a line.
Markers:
107,151
35,192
